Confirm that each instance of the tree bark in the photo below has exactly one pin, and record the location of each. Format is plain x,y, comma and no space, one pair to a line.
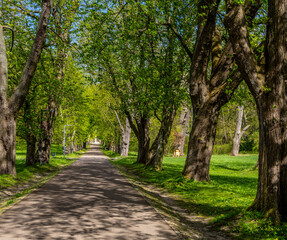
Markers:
31,155
125,141
10,107
157,150
238,132
30,132
62,28
201,141
266,78
143,140
7,141
141,130
48,118
208,92
184,122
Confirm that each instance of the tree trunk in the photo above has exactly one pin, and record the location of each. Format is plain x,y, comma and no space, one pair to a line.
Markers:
45,149
141,130
157,150
48,118
31,156
272,185
143,147
266,78
237,135
208,92
9,108
125,142
184,122
7,142
143,140
201,141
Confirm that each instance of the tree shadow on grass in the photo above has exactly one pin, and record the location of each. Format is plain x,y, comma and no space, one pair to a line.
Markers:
238,169
183,216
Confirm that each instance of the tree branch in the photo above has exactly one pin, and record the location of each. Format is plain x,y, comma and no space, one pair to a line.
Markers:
3,68
244,130
133,126
183,43
157,117
17,98
13,33
28,12
119,121
236,23
225,63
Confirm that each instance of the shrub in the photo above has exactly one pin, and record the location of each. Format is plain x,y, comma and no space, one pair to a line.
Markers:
222,149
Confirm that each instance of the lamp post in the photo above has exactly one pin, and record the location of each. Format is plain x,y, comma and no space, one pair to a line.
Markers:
64,140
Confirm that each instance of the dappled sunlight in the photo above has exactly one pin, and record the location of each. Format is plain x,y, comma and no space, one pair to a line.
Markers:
88,200
232,187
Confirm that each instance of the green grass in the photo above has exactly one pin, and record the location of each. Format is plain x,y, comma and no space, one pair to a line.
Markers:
231,190
109,153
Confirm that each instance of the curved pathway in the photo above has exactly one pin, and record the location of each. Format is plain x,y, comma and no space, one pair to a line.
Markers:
88,200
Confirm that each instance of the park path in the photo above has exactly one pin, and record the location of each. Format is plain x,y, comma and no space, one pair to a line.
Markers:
88,200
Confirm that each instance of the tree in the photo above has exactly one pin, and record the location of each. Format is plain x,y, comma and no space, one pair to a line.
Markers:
210,87
126,135
63,17
238,131
144,68
265,75
10,105
184,122
207,95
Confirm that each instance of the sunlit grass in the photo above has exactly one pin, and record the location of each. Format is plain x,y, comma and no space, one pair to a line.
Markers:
226,197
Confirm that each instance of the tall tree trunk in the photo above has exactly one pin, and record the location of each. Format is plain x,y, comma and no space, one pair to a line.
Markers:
238,132
125,141
224,128
208,92
7,142
237,135
9,108
266,78
45,149
157,151
208,95
201,141
30,135
272,185
31,156
48,118
184,122
141,130
143,141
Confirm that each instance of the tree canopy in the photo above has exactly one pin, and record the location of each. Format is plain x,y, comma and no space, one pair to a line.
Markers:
133,73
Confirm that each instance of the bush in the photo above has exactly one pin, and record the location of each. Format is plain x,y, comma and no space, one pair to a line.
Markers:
222,149
248,145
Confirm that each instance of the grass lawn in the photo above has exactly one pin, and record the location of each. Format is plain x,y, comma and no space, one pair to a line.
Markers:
27,174
231,190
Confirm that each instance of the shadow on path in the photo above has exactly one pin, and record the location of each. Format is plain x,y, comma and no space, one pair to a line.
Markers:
87,200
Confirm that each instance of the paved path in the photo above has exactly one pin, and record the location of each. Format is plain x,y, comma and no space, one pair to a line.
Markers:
88,200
